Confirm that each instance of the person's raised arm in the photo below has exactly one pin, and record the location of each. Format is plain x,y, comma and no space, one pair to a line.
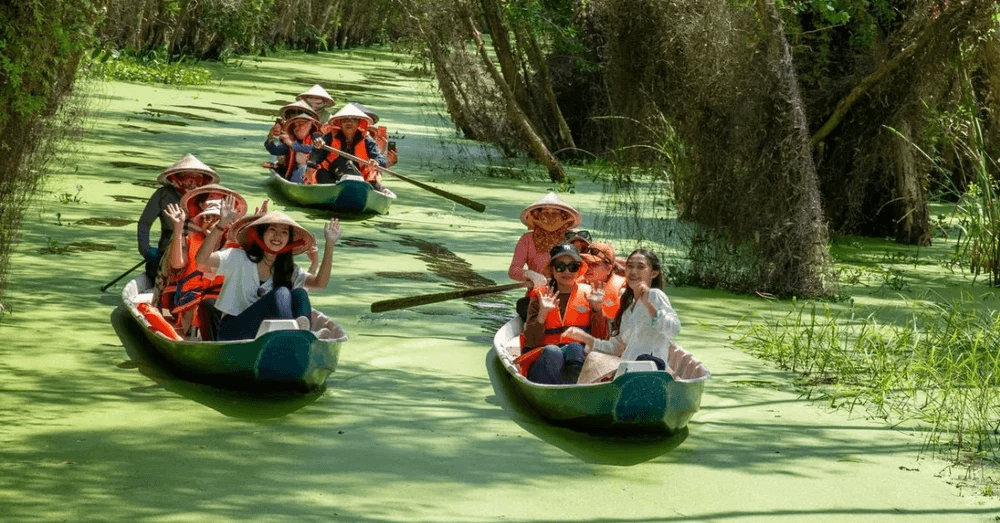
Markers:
331,233
177,216
207,257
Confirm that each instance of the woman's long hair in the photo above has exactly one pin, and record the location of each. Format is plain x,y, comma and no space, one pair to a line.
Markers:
284,264
629,296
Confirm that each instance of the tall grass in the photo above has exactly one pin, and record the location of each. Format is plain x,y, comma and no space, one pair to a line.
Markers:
941,369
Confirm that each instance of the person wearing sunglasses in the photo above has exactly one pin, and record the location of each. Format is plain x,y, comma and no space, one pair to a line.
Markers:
547,221
579,239
347,134
608,284
646,324
561,304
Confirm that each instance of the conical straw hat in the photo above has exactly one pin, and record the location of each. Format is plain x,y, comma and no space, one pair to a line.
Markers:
296,108
368,113
350,111
596,366
188,164
193,199
313,123
318,92
550,200
303,239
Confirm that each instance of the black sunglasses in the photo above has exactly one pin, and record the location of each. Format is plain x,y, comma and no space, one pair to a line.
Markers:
563,266
573,234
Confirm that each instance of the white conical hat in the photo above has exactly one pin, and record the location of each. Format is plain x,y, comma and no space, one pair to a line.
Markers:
550,200
318,92
188,164
351,111
298,107
367,112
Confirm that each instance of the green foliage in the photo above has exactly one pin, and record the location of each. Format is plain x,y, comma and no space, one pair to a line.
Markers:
148,67
939,367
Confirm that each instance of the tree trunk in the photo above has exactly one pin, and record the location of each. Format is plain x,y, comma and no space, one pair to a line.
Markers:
563,138
541,152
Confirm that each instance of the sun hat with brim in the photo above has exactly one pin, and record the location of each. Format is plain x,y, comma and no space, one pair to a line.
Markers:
296,108
350,111
313,123
192,200
188,164
596,366
550,200
600,252
368,113
302,240
212,208
231,240
317,91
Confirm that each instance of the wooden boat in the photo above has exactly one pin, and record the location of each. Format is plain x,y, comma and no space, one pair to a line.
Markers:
288,359
639,400
350,195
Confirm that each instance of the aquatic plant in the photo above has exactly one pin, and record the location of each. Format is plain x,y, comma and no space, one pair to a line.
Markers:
939,368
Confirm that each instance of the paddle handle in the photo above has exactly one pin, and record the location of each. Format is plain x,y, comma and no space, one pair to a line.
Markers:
124,274
413,301
476,206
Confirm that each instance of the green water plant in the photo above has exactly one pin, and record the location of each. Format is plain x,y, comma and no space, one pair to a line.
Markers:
938,368
148,67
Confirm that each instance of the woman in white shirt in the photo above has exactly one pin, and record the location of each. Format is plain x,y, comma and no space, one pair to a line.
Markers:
261,279
646,323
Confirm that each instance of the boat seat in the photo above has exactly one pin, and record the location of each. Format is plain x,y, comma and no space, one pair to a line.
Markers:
635,366
267,326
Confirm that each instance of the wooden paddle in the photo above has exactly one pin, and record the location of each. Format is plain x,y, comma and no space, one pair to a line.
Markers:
476,206
413,301
124,274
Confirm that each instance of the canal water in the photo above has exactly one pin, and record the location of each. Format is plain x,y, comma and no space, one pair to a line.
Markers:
418,423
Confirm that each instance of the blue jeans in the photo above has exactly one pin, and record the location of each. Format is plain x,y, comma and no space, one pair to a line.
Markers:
558,364
279,304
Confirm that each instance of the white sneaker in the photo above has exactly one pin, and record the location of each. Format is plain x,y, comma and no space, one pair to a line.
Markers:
303,323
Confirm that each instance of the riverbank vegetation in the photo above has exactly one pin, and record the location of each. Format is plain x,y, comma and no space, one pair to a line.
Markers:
740,135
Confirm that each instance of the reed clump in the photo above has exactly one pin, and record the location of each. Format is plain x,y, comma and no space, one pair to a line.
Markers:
939,368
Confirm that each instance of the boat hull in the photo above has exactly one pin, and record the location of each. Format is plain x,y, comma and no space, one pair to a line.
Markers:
351,195
634,402
278,360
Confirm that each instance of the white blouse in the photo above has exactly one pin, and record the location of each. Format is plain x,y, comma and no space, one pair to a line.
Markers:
242,286
642,333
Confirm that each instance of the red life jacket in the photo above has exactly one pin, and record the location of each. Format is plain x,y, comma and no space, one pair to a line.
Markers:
290,157
190,286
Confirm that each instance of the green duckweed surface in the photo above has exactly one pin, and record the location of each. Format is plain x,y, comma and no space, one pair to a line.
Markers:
418,423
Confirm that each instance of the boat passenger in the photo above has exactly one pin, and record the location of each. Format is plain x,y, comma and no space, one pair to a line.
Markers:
547,220
186,174
294,139
319,100
261,278
646,324
348,135
381,136
555,307
580,239
190,293
608,284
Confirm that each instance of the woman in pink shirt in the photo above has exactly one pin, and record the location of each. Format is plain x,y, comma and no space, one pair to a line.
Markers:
547,220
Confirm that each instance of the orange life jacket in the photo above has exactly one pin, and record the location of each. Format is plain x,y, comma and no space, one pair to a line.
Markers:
157,323
612,295
360,150
577,315
190,286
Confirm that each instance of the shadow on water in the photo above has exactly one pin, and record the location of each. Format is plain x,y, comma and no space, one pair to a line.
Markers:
259,111
232,403
445,263
596,448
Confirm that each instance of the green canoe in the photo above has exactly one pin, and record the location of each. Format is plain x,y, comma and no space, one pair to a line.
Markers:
289,359
350,195
638,400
